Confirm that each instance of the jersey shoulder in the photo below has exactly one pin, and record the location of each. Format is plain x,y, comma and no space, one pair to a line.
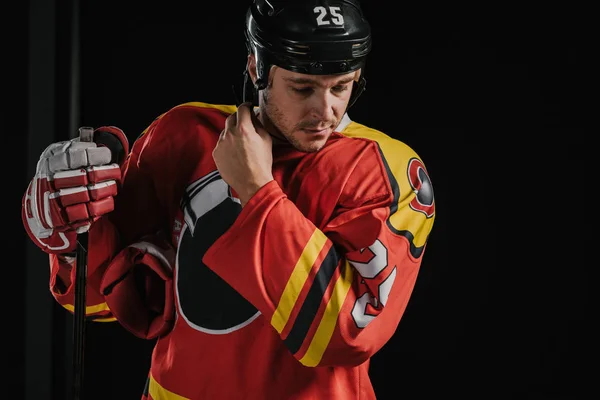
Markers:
386,143
188,113
413,204
381,152
181,132
200,107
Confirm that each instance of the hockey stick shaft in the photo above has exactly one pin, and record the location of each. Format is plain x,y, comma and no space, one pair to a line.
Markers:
79,315
85,135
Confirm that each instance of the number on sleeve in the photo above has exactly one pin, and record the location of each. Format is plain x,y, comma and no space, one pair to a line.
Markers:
369,270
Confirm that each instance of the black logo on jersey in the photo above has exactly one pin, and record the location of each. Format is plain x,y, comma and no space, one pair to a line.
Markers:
206,301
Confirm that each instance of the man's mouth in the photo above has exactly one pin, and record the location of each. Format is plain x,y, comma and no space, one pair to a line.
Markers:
317,131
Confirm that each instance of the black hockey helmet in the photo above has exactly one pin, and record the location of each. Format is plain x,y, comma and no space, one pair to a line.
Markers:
317,37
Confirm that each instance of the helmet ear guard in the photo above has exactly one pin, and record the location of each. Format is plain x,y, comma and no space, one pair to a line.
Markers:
325,37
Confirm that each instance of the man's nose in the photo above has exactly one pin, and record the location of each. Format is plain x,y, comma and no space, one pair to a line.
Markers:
323,106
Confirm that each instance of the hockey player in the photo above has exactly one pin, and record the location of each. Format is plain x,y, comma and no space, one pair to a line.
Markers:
270,248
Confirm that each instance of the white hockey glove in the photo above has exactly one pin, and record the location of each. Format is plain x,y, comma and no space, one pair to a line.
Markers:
73,186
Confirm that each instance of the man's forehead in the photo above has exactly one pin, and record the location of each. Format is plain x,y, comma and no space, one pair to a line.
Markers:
297,77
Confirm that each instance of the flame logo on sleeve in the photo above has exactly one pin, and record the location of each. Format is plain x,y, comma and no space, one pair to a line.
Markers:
421,185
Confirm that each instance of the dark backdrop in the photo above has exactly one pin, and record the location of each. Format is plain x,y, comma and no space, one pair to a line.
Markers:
489,96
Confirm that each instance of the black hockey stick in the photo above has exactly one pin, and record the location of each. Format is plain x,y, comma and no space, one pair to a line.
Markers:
86,134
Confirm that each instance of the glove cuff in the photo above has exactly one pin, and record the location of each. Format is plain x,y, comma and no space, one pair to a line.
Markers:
138,288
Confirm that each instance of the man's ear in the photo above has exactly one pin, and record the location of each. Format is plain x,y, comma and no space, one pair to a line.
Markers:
251,66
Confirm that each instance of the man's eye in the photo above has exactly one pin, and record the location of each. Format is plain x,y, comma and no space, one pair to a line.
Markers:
304,90
340,89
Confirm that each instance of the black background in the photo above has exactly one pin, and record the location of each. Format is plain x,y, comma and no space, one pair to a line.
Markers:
490,96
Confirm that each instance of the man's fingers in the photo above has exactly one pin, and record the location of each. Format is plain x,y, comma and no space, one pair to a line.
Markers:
244,120
230,125
240,121
244,116
258,126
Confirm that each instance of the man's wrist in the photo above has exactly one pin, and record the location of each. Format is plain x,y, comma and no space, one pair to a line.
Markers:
250,190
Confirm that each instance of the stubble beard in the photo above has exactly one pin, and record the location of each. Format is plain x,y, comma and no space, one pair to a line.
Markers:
274,118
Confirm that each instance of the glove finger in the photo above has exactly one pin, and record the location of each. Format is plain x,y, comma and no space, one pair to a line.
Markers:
74,195
82,177
83,194
72,207
76,213
71,218
98,156
110,172
70,179
57,162
84,154
102,190
42,167
101,207
69,155
86,212
68,208
77,155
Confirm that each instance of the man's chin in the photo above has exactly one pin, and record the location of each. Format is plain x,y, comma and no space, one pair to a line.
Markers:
310,149
307,143
310,146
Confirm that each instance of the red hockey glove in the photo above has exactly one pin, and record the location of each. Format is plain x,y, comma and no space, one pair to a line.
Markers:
138,287
73,186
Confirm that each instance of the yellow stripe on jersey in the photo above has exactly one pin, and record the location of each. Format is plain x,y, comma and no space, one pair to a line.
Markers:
327,325
89,309
109,319
298,279
397,155
158,392
226,108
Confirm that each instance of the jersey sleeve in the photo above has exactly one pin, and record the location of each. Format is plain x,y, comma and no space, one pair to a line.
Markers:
334,294
130,219
155,173
103,242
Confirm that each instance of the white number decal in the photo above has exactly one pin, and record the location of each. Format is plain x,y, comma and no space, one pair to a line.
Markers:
324,18
370,270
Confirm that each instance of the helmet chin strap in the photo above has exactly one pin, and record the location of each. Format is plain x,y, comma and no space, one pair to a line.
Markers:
250,89
357,89
247,88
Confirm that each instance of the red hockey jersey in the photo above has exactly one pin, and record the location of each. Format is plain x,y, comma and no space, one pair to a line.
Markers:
288,297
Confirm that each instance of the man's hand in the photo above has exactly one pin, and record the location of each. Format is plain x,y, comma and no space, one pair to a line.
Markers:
73,186
243,154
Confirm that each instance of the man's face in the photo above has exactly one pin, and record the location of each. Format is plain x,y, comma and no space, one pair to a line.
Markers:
304,109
